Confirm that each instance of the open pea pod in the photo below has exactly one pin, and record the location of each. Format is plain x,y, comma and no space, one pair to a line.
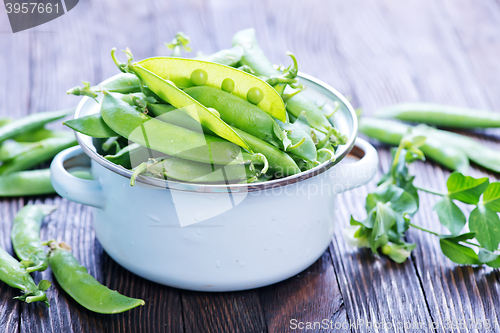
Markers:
188,72
170,93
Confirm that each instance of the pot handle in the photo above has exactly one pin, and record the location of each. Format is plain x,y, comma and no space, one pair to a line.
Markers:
87,192
351,175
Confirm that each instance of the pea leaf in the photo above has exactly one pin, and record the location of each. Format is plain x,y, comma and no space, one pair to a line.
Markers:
466,188
398,252
399,174
458,253
489,258
44,285
401,201
450,215
494,263
491,197
486,223
356,235
385,219
486,256
459,238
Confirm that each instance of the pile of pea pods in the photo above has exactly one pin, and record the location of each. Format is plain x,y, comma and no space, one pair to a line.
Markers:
26,144
71,276
232,110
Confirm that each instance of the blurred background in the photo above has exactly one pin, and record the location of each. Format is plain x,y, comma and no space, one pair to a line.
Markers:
377,52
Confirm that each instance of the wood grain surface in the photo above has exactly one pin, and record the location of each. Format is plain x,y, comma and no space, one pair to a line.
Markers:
375,52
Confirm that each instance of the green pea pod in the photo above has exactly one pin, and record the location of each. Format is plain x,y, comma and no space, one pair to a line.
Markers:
178,117
11,149
5,120
302,143
195,172
188,72
43,151
31,122
14,274
123,83
176,97
278,160
166,138
229,57
32,182
255,58
392,132
123,156
237,112
477,152
441,115
93,125
38,135
83,288
25,236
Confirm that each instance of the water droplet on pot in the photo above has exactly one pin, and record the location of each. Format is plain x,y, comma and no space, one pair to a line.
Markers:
198,231
217,263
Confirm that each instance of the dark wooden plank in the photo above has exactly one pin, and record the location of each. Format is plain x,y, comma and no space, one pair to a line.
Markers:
222,312
310,298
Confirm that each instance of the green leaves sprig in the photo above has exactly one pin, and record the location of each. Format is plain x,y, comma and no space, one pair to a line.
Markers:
391,206
395,201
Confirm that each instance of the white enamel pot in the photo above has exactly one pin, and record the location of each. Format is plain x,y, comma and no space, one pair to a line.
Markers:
216,237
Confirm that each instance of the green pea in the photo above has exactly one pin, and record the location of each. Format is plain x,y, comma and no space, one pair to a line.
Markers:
255,95
228,85
199,77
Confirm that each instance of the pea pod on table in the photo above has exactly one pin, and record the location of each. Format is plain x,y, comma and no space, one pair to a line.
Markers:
38,135
12,148
440,115
41,152
25,236
32,182
392,132
15,275
477,152
82,287
30,122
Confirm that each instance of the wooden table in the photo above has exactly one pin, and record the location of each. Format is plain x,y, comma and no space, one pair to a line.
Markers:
376,52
